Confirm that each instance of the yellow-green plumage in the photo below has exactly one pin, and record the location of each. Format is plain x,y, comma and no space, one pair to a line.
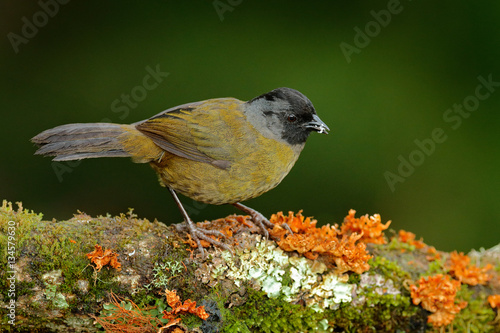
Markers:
255,166
218,151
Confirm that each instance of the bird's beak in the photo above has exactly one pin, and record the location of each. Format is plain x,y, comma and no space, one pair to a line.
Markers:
317,125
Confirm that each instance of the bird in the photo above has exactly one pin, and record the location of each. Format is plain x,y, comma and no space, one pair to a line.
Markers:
217,151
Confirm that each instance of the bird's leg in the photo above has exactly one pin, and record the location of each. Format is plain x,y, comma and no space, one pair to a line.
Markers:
196,232
260,220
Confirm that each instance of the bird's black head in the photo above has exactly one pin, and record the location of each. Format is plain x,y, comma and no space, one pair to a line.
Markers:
286,114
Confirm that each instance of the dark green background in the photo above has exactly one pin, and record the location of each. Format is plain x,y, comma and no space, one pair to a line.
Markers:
394,91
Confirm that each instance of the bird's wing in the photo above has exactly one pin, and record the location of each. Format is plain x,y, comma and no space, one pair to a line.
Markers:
202,131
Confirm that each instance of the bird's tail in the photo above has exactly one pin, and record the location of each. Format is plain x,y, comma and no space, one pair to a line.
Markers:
92,140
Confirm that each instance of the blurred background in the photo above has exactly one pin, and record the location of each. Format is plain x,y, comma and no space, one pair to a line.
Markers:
381,75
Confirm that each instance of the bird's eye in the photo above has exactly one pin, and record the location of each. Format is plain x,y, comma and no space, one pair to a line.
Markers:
292,118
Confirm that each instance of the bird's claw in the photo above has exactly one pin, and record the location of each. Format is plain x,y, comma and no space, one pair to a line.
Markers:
260,220
200,233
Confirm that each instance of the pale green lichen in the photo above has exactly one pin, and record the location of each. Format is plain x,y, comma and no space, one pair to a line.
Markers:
58,299
163,273
372,283
271,270
330,293
303,275
52,280
323,326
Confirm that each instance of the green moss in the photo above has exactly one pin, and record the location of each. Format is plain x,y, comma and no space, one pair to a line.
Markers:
191,320
476,317
286,279
50,246
15,227
46,247
24,221
396,244
435,267
378,312
170,272
354,279
69,257
61,253
389,269
271,315
381,313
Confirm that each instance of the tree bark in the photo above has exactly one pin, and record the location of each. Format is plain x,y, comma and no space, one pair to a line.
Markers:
49,284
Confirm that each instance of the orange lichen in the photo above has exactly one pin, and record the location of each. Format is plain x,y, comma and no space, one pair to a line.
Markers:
190,241
437,295
298,223
461,268
348,256
494,301
227,226
433,254
102,258
134,319
174,301
409,238
125,319
307,239
370,227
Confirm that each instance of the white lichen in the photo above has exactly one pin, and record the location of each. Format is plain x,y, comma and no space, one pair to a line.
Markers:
267,266
330,293
371,282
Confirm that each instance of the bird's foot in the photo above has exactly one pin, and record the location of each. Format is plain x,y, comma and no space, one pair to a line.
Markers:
197,233
260,220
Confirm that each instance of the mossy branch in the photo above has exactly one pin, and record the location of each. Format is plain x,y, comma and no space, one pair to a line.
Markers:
55,287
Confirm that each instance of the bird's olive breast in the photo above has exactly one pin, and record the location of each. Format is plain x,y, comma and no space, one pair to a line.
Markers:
257,165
